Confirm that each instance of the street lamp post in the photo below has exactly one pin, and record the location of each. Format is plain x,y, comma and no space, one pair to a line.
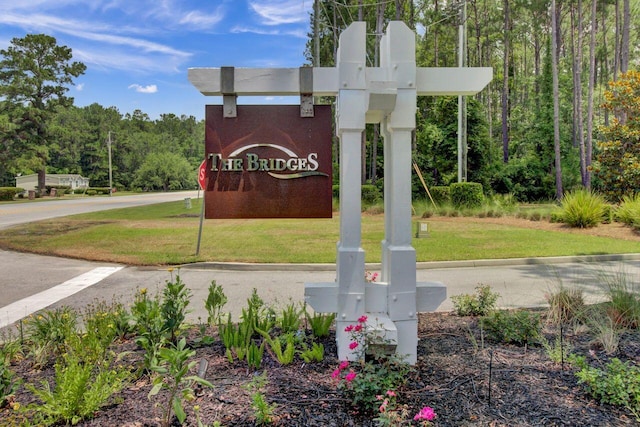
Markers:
110,176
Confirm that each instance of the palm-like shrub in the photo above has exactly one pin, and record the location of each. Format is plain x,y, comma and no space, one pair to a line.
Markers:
583,209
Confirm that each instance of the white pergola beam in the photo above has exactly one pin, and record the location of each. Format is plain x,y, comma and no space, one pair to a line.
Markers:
285,81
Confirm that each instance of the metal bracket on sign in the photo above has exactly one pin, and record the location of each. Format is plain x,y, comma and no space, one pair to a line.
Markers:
306,92
229,97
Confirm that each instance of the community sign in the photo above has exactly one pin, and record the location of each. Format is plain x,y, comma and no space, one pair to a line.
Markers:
268,162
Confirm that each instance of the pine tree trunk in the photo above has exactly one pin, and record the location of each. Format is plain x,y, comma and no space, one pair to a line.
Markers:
592,81
556,101
505,86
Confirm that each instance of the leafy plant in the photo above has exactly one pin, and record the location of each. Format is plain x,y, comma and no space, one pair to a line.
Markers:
216,299
583,209
80,390
320,323
236,338
262,410
558,350
520,327
254,354
103,323
174,307
283,355
313,354
289,318
172,374
257,314
149,325
480,304
7,384
48,332
617,384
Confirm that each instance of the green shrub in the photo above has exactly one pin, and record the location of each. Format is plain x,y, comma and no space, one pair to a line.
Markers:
370,193
629,211
440,194
97,190
513,327
8,193
583,209
466,195
617,384
335,191
480,304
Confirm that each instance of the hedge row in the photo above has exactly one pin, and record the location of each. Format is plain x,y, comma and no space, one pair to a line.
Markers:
8,193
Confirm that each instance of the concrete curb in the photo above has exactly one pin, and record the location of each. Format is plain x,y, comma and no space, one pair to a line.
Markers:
239,266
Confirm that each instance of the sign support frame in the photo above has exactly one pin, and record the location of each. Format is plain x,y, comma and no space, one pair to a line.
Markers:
386,95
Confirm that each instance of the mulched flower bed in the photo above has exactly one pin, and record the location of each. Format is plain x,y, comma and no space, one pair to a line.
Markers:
452,376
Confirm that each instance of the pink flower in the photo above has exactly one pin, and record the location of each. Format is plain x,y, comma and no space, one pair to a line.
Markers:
379,397
426,413
383,407
358,327
353,345
335,373
348,328
362,319
391,393
343,365
350,376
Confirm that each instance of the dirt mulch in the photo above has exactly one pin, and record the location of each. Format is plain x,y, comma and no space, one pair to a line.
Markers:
452,375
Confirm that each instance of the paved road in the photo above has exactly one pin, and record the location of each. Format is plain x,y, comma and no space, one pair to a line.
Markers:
30,282
21,213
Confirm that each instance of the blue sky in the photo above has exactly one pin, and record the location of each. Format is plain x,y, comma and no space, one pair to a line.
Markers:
137,52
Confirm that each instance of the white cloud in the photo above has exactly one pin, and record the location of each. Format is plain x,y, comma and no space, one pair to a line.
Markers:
144,89
238,29
80,87
278,12
198,20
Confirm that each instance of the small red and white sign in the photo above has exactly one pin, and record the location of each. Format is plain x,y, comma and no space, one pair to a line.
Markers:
202,173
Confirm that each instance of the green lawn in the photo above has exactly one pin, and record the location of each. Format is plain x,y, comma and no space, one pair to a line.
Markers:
167,234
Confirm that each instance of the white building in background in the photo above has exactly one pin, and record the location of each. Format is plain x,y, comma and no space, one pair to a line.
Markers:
30,182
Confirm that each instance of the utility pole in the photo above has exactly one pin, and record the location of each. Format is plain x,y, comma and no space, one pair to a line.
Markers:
462,100
316,33
110,177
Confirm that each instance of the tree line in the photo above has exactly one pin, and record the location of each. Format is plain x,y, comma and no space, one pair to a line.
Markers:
551,119
533,131
43,132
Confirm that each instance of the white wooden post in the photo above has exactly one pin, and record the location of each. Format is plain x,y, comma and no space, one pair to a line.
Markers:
385,95
350,123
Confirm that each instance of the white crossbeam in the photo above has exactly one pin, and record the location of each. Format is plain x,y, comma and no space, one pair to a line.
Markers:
285,81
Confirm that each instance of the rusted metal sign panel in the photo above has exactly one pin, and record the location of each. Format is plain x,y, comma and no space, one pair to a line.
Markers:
268,162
